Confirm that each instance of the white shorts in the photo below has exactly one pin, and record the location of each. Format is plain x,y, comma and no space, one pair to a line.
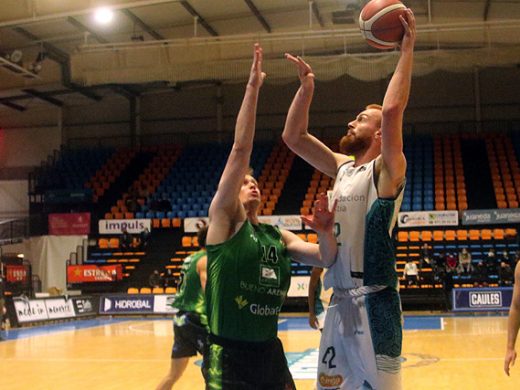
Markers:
361,342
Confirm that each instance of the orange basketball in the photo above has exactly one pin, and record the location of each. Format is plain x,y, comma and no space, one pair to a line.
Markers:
380,24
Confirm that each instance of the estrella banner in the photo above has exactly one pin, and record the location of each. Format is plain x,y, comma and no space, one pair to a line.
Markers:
93,273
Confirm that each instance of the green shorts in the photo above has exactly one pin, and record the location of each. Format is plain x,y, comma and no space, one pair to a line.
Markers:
240,365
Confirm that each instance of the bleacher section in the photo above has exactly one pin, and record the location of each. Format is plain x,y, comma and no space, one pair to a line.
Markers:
477,241
187,185
173,183
107,174
64,177
109,251
148,182
274,175
450,187
419,190
505,172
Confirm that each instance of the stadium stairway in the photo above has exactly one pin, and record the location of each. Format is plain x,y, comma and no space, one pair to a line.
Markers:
295,188
479,187
122,183
161,247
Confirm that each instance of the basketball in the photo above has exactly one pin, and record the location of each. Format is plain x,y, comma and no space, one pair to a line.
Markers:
380,24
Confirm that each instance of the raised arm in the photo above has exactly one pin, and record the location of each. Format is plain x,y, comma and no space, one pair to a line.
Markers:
226,210
295,133
513,323
393,162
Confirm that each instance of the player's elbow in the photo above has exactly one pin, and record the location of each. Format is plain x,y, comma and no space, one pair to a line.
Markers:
290,138
294,141
328,261
393,110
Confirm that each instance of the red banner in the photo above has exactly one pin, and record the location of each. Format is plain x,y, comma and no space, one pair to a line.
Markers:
94,273
69,224
16,273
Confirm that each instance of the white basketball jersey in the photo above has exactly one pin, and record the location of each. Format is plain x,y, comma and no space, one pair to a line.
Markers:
362,219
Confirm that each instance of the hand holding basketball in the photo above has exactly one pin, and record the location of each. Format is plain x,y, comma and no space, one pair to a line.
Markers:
384,23
408,21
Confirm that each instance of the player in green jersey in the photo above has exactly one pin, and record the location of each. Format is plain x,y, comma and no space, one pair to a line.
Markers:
190,324
248,270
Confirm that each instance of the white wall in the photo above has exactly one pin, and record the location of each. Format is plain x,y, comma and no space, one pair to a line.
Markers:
27,147
22,149
14,201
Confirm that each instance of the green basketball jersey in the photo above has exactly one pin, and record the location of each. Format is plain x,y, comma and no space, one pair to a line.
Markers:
190,296
248,279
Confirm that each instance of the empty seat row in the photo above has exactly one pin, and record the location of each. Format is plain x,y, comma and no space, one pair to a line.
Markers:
148,290
452,235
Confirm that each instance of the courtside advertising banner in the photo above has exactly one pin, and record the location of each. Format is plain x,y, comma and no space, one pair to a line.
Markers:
59,308
85,305
428,218
482,299
93,273
163,304
30,310
287,222
116,226
126,304
69,224
299,286
487,217
192,225
16,273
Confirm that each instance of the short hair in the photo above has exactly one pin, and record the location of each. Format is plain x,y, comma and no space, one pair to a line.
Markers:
250,171
201,235
374,106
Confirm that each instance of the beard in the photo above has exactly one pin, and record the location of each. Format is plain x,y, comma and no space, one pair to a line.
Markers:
350,144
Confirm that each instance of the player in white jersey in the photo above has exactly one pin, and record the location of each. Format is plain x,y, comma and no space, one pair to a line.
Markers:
360,346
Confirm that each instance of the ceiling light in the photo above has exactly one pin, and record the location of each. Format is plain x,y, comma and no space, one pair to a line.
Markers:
103,15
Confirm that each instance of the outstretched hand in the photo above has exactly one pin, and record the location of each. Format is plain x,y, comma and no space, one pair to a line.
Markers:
410,33
256,77
304,70
322,220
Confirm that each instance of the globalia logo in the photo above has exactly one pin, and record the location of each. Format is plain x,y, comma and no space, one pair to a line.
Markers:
404,218
241,301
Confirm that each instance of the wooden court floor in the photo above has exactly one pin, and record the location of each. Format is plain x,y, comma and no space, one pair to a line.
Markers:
466,353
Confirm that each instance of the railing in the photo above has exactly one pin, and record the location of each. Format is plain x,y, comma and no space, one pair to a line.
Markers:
13,230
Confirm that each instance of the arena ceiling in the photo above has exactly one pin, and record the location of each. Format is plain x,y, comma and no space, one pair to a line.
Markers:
67,58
